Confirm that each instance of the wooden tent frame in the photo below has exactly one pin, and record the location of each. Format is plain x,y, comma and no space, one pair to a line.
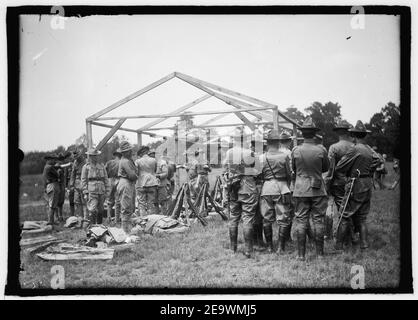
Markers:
265,112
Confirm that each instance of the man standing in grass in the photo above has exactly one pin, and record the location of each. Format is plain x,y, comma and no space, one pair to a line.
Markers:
275,193
243,201
95,185
309,161
126,187
112,167
50,176
357,163
336,182
147,183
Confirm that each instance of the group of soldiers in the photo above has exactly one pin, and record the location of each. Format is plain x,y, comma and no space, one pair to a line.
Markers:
283,185
120,184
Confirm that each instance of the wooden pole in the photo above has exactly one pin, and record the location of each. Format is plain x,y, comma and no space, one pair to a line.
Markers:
295,136
139,138
89,134
275,119
110,134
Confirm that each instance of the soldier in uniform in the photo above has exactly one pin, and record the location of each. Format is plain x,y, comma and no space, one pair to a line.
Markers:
192,172
75,185
51,177
243,199
202,179
258,242
161,174
125,191
62,173
170,178
112,168
357,163
147,183
309,161
275,194
95,185
336,183
67,184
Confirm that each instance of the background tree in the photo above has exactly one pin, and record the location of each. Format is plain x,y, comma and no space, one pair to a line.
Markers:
295,114
385,130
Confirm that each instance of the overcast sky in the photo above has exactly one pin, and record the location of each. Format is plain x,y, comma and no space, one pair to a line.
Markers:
68,75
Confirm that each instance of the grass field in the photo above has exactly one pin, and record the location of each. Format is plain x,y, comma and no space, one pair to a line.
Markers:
200,258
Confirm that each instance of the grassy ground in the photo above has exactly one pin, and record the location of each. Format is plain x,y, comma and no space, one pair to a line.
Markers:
200,258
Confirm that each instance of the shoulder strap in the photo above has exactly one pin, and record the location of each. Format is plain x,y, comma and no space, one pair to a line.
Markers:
274,175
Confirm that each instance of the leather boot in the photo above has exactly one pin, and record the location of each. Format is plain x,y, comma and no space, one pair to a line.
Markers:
341,235
51,216
109,214
268,234
233,237
319,240
363,235
60,217
99,217
248,238
258,237
301,234
282,237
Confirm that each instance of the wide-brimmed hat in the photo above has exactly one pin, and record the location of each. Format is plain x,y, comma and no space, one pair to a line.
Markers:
61,156
273,135
142,150
285,136
93,152
125,146
309,125
342,125
360,127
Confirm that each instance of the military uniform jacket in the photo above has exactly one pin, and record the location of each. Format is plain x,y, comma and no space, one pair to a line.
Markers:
127,169
50,174
309,161
360,157
75,179
276,173
162,171
112,168
335,153
240,163
192,168
94,179
146,168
